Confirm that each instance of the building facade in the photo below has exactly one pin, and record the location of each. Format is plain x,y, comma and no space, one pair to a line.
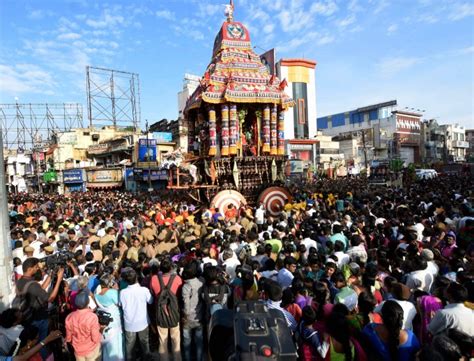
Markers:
470,140
382,131
301,82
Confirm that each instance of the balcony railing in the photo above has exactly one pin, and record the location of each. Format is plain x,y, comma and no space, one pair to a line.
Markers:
460,144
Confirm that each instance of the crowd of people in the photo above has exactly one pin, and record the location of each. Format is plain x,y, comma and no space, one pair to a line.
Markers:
358,273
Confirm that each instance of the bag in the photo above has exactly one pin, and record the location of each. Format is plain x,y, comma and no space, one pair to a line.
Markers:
20,302
167,309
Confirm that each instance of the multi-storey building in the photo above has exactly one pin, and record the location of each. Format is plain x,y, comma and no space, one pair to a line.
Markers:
383,131
470,140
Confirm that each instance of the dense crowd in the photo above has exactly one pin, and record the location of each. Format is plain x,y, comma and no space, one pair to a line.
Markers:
358,273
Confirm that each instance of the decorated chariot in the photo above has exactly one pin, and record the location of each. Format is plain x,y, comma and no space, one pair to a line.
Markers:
235,125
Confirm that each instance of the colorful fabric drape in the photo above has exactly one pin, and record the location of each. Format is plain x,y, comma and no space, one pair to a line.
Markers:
266,129
233,130
225,130
212,132
273,132
281,133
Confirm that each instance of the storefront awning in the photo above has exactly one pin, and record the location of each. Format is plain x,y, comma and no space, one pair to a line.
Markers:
104,185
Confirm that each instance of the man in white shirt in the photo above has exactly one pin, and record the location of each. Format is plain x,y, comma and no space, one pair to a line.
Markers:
134,300
260,215
308,243
455,315
342,258
230,263
357,251
401,295
432,267
420,278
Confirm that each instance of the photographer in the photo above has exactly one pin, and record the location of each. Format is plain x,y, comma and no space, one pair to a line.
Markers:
36,296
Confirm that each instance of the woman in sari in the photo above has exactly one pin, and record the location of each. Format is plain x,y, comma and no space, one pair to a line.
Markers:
107,298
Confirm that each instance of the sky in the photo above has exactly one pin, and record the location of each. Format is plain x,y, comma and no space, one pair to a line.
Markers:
420,52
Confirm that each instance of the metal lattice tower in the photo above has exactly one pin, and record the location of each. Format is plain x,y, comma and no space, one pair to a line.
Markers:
113,97
29,126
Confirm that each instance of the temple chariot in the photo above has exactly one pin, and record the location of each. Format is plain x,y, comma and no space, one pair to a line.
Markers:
235,124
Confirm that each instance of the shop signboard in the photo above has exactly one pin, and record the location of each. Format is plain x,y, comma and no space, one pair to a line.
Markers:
147,150
296,166
72,176
163,137
141,174
105,175
98,149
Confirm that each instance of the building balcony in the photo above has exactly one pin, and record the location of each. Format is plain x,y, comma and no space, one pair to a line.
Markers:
460,144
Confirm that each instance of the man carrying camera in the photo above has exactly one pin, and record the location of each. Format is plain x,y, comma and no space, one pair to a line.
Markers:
83,330
35,310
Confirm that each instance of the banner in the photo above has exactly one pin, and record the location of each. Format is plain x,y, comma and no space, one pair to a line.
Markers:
72,176
104,175
268,59
147,150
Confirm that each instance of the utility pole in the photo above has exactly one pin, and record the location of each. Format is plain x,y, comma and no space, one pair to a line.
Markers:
150,189
365,151
5,244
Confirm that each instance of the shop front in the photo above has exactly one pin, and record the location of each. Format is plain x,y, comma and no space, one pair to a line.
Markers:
302,149
104,179
73,180
157,179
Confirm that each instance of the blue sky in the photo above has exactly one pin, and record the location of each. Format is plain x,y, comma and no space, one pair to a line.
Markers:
420,52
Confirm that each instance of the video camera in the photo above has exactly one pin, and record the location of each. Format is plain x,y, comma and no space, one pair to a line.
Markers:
59,259
251,332
104,317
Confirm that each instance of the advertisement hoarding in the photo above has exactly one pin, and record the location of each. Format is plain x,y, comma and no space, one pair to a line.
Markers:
147,150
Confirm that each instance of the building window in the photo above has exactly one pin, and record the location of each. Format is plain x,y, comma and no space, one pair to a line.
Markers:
300,111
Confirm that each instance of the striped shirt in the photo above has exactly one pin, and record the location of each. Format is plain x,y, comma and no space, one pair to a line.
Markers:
290,320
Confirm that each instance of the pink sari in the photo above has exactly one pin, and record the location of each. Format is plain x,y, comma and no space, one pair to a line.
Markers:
428,306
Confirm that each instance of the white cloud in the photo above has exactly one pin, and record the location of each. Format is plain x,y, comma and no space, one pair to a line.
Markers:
392,29
207,10
25,78
165,14
379,5
267,29
106,20
343,23
325,8
39,14
326,39
461,10
428,18
69,36
391,66
295,17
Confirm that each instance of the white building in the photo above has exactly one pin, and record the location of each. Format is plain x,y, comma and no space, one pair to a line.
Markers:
190,83
300,121
456,143
18,168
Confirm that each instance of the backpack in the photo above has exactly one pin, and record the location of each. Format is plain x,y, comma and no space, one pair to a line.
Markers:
167,309
20,302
